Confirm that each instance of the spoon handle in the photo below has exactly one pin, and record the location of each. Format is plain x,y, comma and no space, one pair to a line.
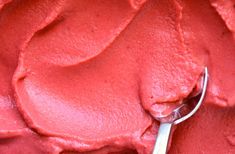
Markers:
162,138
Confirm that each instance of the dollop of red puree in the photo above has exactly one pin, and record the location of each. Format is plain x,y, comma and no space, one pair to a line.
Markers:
90,76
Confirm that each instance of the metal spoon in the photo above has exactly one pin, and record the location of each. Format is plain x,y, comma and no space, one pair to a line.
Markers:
178,115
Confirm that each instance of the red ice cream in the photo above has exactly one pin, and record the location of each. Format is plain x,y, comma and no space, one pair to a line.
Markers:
90,76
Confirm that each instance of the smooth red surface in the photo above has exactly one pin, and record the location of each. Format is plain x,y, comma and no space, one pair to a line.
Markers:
89,76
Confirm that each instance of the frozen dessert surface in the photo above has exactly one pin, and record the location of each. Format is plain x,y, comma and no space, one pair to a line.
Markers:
90,76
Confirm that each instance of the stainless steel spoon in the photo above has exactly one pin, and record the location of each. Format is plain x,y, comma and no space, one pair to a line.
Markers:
180,114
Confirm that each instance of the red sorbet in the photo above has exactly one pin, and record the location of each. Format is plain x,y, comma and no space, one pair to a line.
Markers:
85,76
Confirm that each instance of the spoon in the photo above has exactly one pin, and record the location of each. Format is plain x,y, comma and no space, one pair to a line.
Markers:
180,114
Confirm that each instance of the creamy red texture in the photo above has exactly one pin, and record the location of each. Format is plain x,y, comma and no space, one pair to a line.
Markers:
90,76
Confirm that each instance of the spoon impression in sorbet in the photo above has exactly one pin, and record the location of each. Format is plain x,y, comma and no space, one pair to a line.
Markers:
189,107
